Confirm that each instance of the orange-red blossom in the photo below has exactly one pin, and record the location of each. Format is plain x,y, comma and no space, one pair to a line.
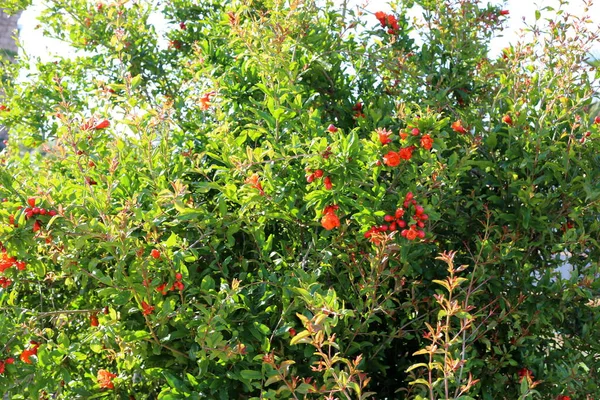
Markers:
105,379
330,220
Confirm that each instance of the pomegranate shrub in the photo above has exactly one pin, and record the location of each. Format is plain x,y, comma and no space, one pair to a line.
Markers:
274,200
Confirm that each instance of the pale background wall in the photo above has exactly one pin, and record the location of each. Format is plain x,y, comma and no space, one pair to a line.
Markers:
8,27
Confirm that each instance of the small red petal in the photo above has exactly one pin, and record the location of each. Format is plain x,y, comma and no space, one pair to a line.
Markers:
102,124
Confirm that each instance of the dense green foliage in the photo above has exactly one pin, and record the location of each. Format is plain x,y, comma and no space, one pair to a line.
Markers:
218,211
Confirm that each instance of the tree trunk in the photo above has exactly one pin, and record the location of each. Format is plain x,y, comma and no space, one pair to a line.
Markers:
8,48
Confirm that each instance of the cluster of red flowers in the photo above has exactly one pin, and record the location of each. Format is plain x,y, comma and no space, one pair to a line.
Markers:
32,211
105,379
4,363
397,222
426,140
31,351
330,220
7,262
392,158
177,285
387,21
319,174
253,180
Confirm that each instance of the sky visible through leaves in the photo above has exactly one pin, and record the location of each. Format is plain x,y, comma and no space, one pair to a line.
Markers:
35,44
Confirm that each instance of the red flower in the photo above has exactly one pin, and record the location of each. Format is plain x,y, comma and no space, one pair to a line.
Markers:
4,108
426,142
318,173
205,100
102,124
330,220
507,120
391,159
182,26
93,320
399,213
36,226
155,254
327,183
10,360
597,120
162,289
392,22
381,17
147,308
563,397
253,181
358,110
405,153
375,234
331,128
5,282
384,136
1,367
7,261
504,12
292,332
387,20
457,127
105,379
27,353
411,234
31,202
525,373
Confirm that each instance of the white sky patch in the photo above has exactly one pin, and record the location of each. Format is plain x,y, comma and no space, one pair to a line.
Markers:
35,44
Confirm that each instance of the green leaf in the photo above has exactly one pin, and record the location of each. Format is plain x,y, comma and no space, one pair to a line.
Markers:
273,379
301,337
250,374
